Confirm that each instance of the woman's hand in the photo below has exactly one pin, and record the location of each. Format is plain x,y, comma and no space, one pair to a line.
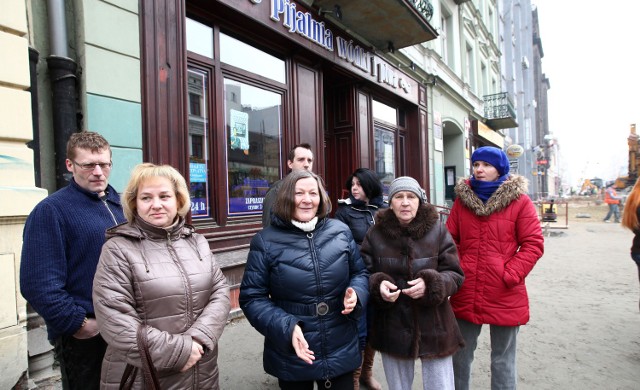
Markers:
196,354
386,288
350,300
416,290
301,346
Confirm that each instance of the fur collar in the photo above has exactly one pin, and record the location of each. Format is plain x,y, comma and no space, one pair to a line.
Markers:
426,217
508,191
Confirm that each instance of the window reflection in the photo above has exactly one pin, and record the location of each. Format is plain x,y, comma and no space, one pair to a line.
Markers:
384,112
199,38
385,160
243,56
253,126
199,188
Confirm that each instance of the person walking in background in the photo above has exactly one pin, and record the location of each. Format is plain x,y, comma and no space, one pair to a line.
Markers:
300,157
612,199
358,212
631,220
160,298
304,288
414,269
62,240
496,228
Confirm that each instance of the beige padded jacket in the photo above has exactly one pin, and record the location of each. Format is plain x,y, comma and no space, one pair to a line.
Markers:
169,279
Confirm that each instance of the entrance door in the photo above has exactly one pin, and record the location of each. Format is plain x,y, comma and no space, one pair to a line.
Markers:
450,182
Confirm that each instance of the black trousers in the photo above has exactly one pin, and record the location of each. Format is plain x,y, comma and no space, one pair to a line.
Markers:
80,361
342,382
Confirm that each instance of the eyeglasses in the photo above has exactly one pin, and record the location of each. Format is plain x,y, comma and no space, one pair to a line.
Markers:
92,166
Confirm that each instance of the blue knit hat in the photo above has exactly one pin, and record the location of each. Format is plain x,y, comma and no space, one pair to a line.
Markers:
493,156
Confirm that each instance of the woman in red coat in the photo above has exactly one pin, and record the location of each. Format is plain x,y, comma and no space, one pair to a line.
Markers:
496,228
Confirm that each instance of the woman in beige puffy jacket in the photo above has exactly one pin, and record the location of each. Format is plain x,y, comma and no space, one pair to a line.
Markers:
158,286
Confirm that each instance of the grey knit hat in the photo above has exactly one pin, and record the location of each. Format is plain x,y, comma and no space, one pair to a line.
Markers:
406,183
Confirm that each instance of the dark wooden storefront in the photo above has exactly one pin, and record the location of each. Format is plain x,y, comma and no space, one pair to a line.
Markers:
326,103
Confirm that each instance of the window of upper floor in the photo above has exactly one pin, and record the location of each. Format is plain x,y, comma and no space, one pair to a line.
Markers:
447,37
470,68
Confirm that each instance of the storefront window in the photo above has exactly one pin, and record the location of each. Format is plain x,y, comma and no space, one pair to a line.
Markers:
385,143
243,56
384,113
199,185
385,146
199,38
253,126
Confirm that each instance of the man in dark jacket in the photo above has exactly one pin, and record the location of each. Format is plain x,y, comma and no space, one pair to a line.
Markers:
300,157
62,240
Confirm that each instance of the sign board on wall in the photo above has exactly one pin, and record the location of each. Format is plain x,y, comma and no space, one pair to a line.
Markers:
293,20
437,131
483,131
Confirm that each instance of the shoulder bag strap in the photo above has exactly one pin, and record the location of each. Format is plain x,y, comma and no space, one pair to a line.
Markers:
149,373
128,377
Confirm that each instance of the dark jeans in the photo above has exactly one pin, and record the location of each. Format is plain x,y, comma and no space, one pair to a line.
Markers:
342,382
80,361
614,210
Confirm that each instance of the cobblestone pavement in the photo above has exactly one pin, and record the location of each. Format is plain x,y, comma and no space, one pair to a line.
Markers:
584,330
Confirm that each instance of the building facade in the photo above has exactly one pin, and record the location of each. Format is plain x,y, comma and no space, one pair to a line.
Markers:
467,103
524,80
18,192
222,89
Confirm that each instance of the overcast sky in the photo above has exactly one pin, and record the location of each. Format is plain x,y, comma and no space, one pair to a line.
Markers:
592,61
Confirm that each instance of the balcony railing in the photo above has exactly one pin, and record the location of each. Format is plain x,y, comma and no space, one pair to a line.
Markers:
499,111
424,7
387,25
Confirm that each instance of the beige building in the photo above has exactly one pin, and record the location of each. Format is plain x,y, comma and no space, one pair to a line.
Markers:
18,193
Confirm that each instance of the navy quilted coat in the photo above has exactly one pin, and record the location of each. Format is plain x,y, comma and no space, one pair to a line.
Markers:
288,271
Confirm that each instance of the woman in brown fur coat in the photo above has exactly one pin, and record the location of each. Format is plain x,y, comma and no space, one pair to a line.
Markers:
414,269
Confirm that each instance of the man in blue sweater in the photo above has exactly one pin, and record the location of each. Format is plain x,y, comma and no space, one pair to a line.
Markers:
62,240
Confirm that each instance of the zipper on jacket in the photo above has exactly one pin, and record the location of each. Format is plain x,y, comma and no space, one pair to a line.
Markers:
115,221
373,220
314,258
185,277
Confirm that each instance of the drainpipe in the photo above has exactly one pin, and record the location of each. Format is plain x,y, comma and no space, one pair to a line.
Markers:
35,116
62,71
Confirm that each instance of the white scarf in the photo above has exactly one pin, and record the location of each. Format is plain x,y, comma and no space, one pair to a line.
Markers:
305,226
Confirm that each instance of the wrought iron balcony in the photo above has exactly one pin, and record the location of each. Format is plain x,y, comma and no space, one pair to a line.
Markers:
424,7
387,25
499,111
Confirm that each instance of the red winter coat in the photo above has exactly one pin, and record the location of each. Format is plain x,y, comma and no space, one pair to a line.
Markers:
498,243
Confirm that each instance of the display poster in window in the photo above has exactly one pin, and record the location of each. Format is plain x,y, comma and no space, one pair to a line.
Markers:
198,189
239,124
248,195
438,143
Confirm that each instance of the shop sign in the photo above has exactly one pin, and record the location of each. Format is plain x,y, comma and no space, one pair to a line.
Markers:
513,166
490,135
198,179
514,151
304,24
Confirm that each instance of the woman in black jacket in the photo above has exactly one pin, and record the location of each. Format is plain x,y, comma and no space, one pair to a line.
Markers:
358,212
414,269
304,288
364,201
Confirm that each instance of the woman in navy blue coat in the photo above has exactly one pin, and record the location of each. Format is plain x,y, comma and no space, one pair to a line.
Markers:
358,212
304,288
